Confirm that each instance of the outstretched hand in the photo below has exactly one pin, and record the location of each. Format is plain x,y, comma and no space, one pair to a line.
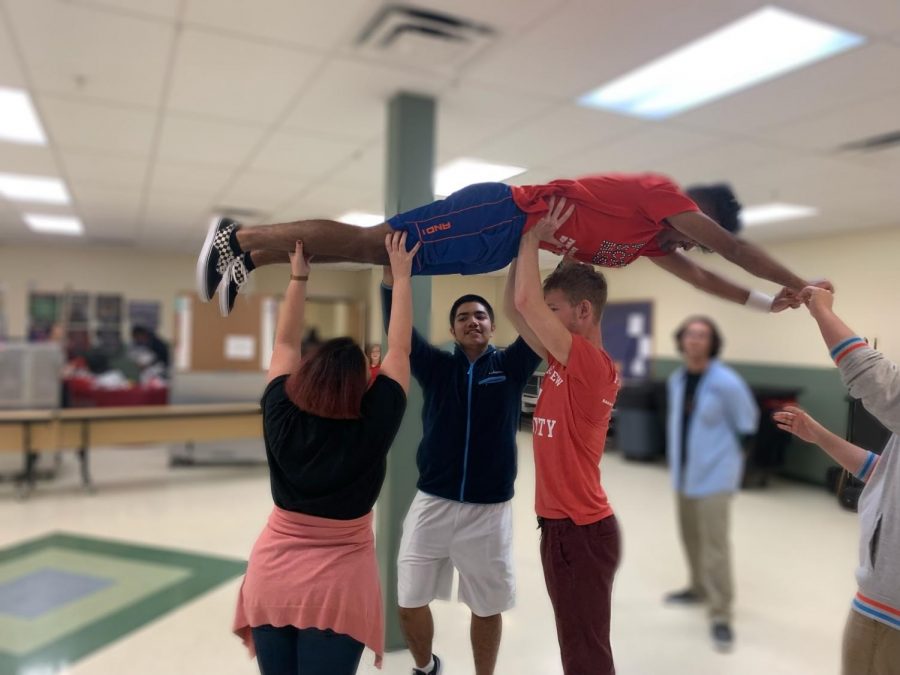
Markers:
545,229
299,260
798,422
401,259
818,300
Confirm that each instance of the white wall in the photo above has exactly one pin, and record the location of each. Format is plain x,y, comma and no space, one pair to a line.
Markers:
863,267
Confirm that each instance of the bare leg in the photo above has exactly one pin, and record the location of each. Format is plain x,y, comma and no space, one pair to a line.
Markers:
321,238
418,629
485,633
268,257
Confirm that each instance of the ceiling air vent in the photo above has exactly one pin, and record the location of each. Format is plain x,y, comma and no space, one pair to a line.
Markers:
419,37
873,143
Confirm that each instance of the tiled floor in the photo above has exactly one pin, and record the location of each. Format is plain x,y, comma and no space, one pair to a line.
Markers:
794,548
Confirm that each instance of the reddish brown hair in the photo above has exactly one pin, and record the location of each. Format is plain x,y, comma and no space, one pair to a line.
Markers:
579,282
332,381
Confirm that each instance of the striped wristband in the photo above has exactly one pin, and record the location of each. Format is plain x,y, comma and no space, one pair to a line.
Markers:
840,350
761,301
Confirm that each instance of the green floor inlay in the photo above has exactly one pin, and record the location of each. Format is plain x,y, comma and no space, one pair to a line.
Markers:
146,583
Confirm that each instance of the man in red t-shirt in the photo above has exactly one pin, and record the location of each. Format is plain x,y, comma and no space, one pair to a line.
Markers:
579,534
615,219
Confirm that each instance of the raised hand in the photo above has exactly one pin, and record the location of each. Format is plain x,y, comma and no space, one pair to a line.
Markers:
818,300
798,422
299,260
401,259
545,229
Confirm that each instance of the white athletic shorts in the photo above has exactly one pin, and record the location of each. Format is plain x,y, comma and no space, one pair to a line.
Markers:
476,539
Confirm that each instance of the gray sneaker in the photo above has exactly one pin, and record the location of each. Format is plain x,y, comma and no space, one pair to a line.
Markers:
722,636
685,597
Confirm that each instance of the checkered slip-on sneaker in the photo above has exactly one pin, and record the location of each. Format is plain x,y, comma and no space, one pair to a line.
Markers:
219,250
235,277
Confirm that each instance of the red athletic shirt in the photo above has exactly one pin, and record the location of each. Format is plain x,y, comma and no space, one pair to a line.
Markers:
569,430
616,217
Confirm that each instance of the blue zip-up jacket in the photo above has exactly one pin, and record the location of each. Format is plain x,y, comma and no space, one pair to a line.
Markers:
469,417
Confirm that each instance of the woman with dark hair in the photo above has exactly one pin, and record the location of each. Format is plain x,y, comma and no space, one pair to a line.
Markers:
311,599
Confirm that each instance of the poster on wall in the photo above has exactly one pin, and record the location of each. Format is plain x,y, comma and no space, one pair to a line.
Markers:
108,309
78,307
42,312
144,313
628,337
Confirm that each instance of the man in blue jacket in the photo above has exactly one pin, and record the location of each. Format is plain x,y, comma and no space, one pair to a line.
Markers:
461,516
711,413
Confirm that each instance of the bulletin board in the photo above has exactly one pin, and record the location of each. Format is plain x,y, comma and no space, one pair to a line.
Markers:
207,341
628,337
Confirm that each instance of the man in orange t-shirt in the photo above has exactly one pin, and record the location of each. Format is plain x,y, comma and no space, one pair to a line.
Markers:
579,534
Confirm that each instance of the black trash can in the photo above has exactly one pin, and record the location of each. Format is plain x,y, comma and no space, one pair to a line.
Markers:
640,430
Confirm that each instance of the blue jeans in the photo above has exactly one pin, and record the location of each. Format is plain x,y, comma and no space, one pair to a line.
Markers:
307,651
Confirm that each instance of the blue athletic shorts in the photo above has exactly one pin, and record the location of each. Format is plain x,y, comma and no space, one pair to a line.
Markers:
474,230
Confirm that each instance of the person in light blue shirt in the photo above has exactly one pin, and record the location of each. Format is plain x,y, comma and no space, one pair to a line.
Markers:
711,414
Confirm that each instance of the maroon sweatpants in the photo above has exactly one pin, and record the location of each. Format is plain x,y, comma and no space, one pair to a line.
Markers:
579,565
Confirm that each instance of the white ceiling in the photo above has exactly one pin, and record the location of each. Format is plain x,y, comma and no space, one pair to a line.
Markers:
159,111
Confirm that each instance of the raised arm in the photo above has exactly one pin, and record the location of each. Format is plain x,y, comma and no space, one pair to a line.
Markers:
289,331
868,374
550,332
854,459
744,254
518,321
396,362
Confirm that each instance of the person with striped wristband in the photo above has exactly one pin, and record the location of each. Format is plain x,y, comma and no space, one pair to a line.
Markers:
872,633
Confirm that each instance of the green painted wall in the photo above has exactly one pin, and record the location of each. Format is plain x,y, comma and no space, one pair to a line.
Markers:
823,397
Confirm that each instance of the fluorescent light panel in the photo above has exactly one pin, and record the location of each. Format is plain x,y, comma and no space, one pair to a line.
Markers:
47,224
774,212
465,171
42,189
761,46
18,121
361,219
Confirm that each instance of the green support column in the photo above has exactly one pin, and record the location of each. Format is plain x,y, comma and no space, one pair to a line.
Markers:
410,163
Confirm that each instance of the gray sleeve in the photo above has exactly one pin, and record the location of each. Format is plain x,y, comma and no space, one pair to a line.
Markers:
875,380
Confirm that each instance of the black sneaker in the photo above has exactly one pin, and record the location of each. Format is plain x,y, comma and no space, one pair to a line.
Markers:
685,597
219,249
233,280
723,638
434,671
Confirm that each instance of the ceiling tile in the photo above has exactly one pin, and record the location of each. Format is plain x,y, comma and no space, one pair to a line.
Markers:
856,75
35,160
81,50
97,127
205,141
848,123
163,9
101,169
348,99
319,25
563,130
305,155
236,79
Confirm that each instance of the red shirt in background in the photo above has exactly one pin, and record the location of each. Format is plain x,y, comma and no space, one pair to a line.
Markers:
616,217
569,429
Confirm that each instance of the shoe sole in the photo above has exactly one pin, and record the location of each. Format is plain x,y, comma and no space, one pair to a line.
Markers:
203,261
223,292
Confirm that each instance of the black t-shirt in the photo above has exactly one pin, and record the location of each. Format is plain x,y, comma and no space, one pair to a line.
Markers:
691,381
326,467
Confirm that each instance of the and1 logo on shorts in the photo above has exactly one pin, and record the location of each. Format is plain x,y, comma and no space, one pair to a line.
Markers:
569,433
617,217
